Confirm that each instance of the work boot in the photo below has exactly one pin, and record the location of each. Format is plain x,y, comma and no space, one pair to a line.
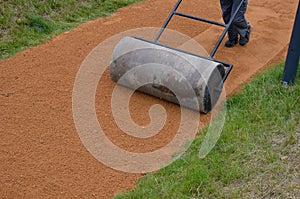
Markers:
244,40
231,42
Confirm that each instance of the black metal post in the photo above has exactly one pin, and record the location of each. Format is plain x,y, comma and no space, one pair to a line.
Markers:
292,60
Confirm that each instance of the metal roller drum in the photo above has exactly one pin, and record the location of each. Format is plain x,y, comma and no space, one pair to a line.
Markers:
204,76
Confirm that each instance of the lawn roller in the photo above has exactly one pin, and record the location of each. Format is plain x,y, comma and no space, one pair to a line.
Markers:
206,75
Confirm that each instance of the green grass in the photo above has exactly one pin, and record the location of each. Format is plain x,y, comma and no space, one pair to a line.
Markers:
25,23
256,156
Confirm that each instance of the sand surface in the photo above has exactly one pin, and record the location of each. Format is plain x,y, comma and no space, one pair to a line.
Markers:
41,154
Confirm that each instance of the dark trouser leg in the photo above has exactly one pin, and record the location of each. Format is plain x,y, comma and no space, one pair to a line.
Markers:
240,23
227,7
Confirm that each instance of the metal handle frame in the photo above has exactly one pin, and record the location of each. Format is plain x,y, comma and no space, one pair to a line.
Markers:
217,45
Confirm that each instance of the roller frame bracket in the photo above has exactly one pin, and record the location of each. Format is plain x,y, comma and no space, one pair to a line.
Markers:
217,45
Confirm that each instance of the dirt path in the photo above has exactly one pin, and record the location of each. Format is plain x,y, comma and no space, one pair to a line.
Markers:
41,154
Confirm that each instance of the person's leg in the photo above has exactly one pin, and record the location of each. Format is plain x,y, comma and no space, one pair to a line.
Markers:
226,6
240,23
